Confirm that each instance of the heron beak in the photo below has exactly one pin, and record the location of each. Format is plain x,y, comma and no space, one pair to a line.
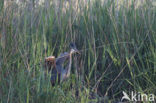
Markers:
77,51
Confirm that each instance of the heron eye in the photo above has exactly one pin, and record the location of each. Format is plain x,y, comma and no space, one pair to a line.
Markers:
72,45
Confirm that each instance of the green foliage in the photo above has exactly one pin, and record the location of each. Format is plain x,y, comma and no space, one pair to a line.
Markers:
113,38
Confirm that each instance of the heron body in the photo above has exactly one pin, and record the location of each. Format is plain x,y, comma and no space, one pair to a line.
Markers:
58,72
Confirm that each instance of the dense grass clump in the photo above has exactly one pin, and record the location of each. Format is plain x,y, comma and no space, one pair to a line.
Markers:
117,41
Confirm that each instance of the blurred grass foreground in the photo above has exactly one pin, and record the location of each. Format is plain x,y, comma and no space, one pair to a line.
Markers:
116,38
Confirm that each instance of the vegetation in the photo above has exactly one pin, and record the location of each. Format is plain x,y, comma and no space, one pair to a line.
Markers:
117,41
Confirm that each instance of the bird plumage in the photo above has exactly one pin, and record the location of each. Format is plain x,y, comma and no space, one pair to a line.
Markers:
58,72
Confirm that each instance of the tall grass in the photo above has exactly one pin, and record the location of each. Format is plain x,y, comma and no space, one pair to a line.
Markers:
117,41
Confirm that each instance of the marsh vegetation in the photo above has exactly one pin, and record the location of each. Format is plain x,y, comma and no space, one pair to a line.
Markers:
117,41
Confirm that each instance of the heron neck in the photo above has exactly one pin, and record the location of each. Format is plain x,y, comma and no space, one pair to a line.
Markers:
70,62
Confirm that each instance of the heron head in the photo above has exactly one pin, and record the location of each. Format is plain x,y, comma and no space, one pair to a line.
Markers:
73,48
